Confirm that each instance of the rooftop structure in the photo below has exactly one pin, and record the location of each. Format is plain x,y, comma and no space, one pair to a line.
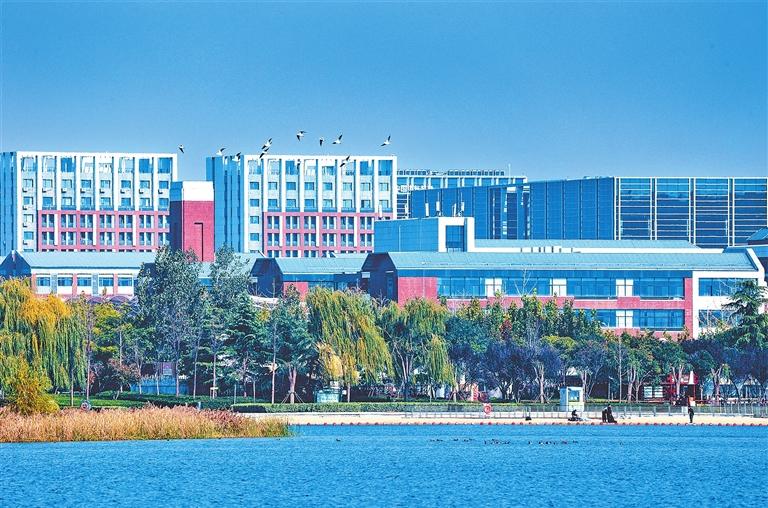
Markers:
708,212
301,205
84,201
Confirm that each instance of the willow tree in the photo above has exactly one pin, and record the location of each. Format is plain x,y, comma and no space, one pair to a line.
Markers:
44,332
349,342
416,336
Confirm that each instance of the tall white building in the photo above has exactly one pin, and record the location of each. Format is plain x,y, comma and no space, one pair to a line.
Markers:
301,205
84,201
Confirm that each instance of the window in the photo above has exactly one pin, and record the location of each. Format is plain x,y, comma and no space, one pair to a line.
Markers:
67,202
272,185
624,319
329,223
164,165
29,218
656,319
454,238
719,287
145,166
253,185
84,281
272,204
145,203
347,186
163,184
365,186
47,183
347,204
384,186
125,165
254,168
659,288
125,281
291,203
64,281
105,203
254,237
164,203
28,200
86,203
329,170
29,235
106,281
254,203
126,203
68,165
327,203
558,287
624,287
273,222
68,184
384,204
348,223
309,186
254,219
290,168
43,282
365,204
86,184
145,184
327,186
291,186
385,168
310,204
107,184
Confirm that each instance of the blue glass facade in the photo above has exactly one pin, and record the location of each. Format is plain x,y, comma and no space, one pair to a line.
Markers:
709,212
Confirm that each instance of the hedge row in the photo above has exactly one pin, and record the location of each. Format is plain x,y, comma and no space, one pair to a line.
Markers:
171,400
360,407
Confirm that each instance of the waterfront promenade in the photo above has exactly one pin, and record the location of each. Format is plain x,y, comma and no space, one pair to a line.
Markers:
371,418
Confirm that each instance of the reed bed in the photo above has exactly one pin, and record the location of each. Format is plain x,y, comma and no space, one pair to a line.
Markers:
133,424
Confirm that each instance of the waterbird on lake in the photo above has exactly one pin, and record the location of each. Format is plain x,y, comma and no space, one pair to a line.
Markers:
300,135
337,141
387,141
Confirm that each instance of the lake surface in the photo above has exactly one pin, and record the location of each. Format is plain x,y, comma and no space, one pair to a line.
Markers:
403,466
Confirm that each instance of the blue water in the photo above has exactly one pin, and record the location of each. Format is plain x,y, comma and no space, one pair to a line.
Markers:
403,466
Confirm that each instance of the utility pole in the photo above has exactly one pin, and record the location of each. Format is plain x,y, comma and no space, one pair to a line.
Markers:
273,366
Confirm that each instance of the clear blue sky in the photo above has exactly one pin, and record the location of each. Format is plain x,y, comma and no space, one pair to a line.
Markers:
553,90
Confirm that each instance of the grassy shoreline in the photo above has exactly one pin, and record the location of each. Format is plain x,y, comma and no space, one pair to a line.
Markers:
147,423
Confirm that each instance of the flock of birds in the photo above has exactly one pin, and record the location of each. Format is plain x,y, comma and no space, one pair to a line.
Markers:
299,135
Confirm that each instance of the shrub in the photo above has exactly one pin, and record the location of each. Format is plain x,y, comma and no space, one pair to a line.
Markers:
128,424
27,388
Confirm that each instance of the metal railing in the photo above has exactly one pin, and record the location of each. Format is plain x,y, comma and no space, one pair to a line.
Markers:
592,412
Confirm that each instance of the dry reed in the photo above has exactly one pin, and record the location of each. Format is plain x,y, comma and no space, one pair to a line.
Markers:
129,424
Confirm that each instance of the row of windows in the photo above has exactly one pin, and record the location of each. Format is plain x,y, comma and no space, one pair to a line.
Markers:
47,220
292,168
311,204
310,186
587,288
646,319
68,184
105,203
87,163
105,238
83,281
719,287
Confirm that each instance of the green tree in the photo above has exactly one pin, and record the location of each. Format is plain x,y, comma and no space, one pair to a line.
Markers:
294,347
746,303
169,295
345,330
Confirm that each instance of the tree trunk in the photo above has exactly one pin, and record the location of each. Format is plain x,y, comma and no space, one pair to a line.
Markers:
292,374
349,392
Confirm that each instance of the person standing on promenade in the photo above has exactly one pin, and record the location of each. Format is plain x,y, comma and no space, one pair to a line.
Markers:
690,413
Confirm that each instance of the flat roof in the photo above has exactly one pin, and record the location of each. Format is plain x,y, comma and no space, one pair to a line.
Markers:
344,263
622,244
726,261
86,259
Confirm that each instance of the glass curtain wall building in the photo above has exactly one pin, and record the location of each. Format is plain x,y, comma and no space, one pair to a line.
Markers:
81,201
300,205
420,179
709,212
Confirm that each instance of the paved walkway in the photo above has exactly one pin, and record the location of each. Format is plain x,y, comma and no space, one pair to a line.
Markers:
402,419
